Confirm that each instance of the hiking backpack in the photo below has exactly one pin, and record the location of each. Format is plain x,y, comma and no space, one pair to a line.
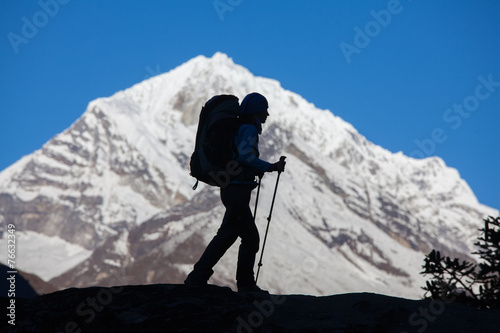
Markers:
213,160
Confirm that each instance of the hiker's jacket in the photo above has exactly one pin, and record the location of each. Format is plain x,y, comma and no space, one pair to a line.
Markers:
247,146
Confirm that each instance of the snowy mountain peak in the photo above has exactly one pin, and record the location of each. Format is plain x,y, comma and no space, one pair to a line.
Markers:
118,178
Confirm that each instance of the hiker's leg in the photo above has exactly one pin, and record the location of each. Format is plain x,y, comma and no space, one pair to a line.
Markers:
249,235
225,237
248,250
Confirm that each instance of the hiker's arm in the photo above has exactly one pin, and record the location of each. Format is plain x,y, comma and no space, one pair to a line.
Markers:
247,139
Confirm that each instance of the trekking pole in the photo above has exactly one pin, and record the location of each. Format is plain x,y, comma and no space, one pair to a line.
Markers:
257,199
282,158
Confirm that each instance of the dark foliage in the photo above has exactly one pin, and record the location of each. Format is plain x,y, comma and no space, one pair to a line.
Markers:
463,281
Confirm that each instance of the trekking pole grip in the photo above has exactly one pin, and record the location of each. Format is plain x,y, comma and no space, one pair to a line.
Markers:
282,159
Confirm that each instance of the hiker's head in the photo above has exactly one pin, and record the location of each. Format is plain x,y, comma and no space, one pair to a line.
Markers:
255,105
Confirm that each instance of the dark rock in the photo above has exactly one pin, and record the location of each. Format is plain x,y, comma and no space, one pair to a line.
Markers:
180,308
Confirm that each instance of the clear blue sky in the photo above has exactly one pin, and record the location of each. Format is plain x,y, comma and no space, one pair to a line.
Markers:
399,71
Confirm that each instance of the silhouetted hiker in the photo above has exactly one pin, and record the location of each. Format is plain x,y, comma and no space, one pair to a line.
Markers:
238,220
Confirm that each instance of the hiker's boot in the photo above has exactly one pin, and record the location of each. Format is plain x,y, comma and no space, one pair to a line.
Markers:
253,288
195,279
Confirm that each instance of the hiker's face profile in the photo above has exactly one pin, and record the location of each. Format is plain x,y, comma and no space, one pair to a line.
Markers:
263,116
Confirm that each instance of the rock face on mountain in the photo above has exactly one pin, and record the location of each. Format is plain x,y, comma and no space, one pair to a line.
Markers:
111,196
179,308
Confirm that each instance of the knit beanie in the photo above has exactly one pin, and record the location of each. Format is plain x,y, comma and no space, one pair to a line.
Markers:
253,103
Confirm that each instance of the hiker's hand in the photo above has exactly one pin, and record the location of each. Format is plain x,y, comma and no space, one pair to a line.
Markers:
278,166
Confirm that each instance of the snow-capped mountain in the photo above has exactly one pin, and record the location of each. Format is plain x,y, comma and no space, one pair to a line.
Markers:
109,200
